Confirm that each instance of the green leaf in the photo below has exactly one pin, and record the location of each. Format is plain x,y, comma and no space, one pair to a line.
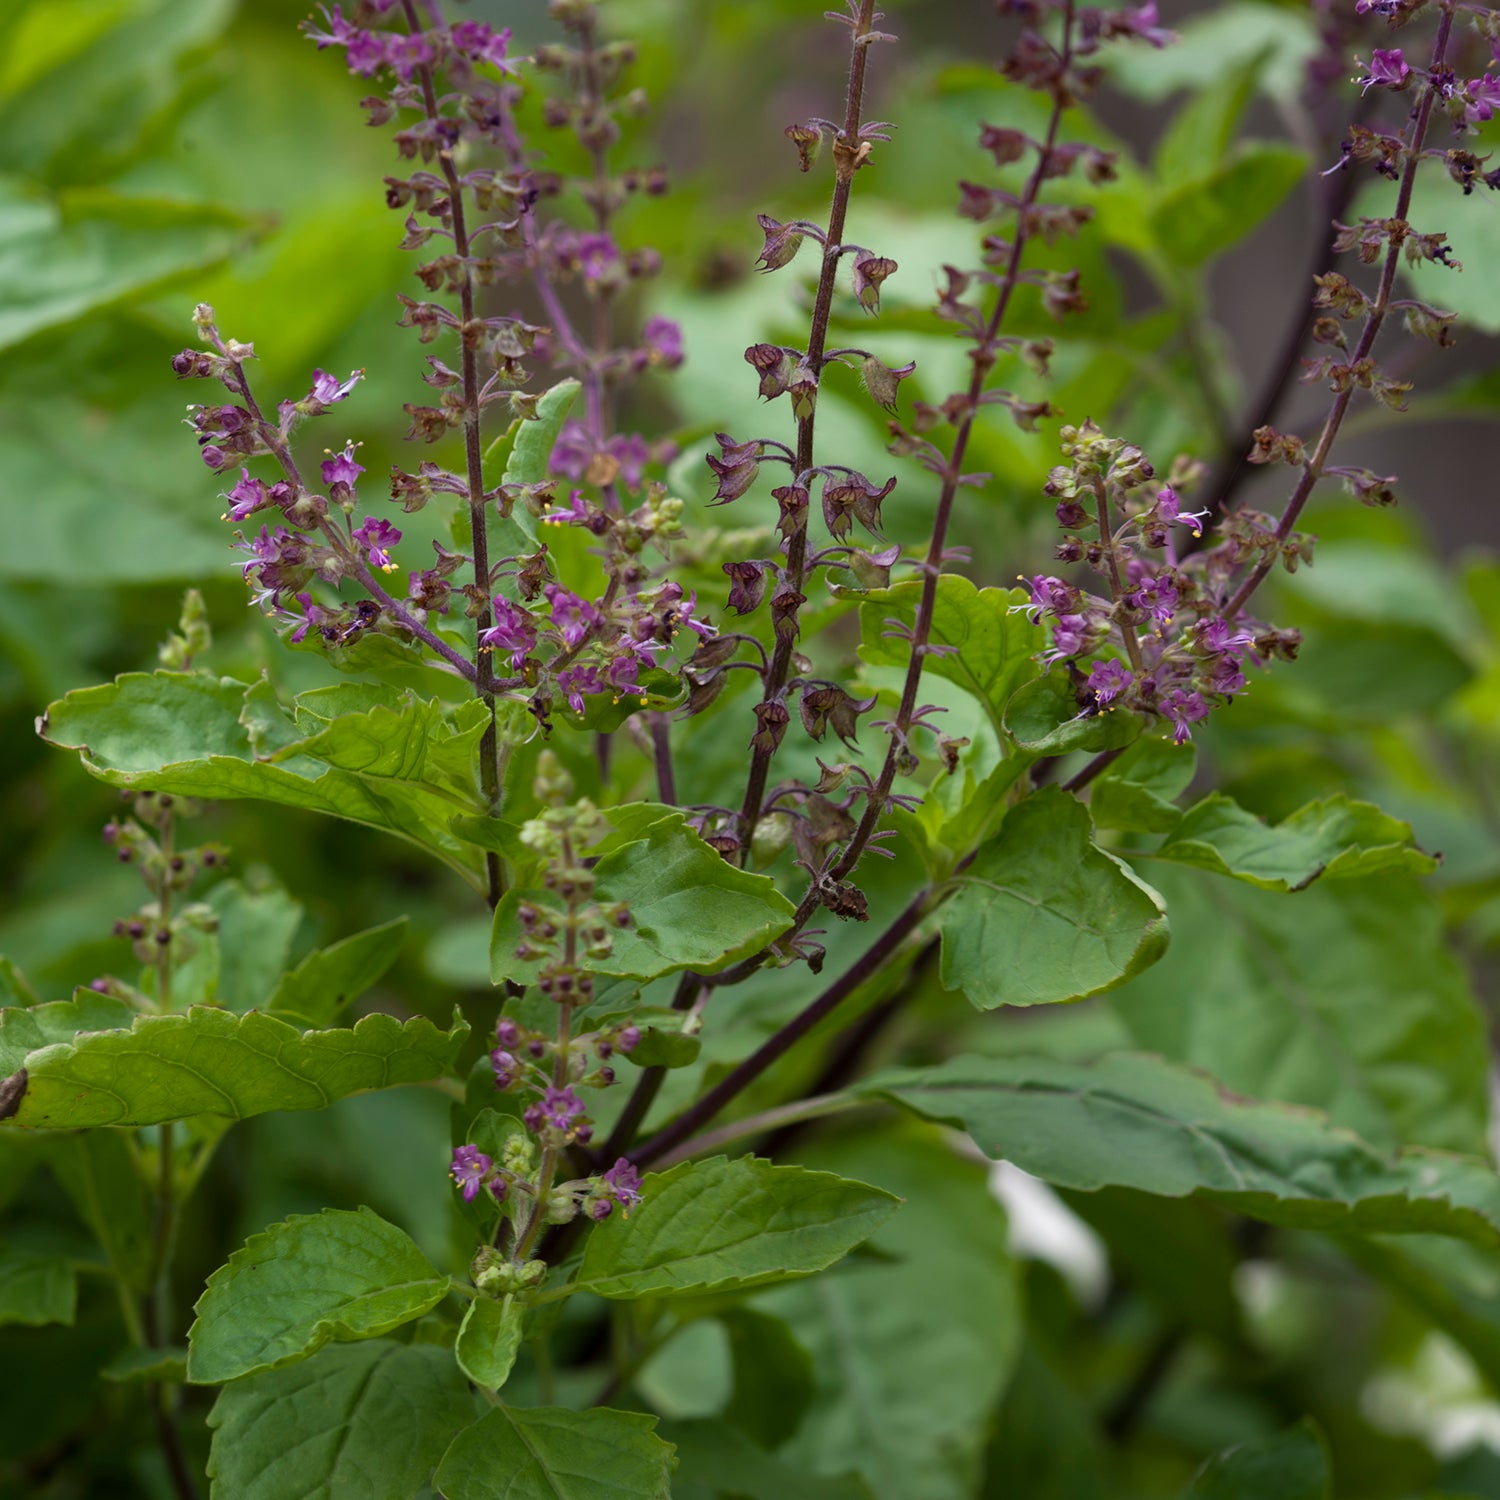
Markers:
1043,916
310,1280
913,1344
167,1364
36,1289
722,1225
1045,1444
993,642
211,1062
534,442
1289,1465
1203,129
659,1048
1197,220
98,1170
689,910
489,1340
551,1453
359,1422
1131,1120
773,1377
91,248
191,733
23,1031
1043,718
329,978
715,1460
14,990
256,928
1139,791
1344,996
1328,839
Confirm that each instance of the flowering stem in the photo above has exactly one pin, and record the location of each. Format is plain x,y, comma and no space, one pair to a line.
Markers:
795,1113
1312,470
1116,583
779,671
489,752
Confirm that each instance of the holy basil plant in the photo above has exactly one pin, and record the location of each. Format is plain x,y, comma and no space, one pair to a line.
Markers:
728,850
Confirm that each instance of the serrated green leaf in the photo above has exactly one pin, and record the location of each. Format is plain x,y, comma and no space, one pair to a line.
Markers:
913,1344
23,1031
358,1422
1344,996
1138,793
1043,916
255,933
212,1062
1195,221
191,733
534,442
722,1225
993,640
1043,718
1136,1121
167,1364
36,1289
305,1282
1289,1465
1329,839
329,978
689,909
489,1340
551,1453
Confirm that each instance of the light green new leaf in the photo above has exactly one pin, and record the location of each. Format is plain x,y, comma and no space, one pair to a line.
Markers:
1131,1120
1043,916
358,1422
912,1345
1327,839
551,1453
212,1062
720,1225
535,439
1344,996
23,1031
1139,791
1289,1465
489,1340
36,1289
1195,221
1043,717
305,1282
167,1363
203,736
329,978
689,909
993,641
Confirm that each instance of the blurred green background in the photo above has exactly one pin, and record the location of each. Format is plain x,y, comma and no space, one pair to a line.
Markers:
158,153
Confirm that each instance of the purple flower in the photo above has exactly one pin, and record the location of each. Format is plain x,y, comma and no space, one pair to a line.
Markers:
507,1033
662,339
576,681
406,53
328,390
468,1168
507,1068
1169,508
572,617
374,537
1484,96
480,43
679,615
247,497
1108,680
1156,598
572,451
560,1108
1216,636
624,1183
1071,636
313,615
627,1040
513,631
1379,7
631,451
1388,69
598,256
1183,709
1225,677
340,468
1048,596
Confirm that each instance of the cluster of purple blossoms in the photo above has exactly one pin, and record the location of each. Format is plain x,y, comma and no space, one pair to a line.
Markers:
1161,640
370,51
